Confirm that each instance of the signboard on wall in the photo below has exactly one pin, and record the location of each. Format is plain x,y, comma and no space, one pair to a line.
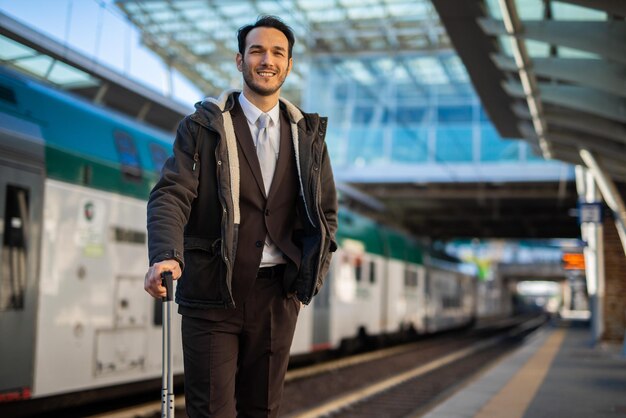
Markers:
590,212
573,261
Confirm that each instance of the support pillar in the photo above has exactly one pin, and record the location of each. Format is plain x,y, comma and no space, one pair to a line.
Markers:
614,309
592,234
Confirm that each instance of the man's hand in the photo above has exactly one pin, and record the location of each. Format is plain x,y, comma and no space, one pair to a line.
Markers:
152,282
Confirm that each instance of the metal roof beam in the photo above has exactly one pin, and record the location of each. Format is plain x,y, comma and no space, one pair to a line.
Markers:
599,145
609,192
577,121
603,38
586,123
513,26
583,99
571,154
603,75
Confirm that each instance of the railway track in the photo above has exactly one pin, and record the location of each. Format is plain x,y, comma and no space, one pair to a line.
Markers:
401,381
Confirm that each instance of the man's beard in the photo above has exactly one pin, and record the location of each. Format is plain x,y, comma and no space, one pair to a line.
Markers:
248,78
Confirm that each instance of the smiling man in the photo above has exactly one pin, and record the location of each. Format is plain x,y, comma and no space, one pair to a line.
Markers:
245,214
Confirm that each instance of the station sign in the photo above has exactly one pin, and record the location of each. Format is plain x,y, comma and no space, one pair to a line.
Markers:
590,212
573,261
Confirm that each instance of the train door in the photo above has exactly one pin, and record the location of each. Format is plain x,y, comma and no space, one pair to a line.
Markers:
21,191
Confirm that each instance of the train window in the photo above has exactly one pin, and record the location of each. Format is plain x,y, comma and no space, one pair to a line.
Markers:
129,236
7,94
372,272
14,248
159,156
410,278
128,155
87,174
358,269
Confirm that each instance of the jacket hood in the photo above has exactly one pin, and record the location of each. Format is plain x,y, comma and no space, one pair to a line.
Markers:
211,108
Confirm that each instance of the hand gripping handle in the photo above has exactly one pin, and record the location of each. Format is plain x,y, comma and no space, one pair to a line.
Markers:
167,280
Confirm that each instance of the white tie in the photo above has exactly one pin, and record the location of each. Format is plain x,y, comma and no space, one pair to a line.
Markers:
264,151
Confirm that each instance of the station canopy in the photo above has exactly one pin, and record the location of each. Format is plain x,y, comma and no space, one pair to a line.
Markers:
198,37
552,72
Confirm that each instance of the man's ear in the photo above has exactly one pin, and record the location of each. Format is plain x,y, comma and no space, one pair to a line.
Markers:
239,61
290,65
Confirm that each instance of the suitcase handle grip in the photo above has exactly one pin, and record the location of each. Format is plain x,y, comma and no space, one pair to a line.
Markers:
167,280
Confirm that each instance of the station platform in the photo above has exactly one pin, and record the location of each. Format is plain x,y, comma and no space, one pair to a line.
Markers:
556,373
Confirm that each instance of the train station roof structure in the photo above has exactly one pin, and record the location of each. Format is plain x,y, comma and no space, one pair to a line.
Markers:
363,40
197,37
413,41
551,72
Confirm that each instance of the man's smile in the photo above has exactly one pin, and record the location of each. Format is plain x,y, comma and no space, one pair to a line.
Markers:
266,73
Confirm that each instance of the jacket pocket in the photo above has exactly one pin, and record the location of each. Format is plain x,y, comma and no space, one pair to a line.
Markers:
201,281
306,281
327,256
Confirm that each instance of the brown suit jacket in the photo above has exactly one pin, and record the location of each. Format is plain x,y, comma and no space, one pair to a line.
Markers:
274,215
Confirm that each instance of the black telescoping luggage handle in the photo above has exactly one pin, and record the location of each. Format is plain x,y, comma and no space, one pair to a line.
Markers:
167,280
167,389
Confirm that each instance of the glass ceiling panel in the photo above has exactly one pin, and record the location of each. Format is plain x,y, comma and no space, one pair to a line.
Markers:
333,15
233,9
537,49
67,76
456,69
351,3
369,29
530,9
153,6
493,8
10,50
400,74
371,12
428,70
563,11
397,10
38,65
564,52
316,4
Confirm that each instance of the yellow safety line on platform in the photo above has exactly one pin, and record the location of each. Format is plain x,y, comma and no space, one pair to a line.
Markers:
515,397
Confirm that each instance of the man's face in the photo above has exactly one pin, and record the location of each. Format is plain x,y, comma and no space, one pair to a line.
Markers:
265,63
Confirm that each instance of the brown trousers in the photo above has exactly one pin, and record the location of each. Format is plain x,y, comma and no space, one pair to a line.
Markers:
236,367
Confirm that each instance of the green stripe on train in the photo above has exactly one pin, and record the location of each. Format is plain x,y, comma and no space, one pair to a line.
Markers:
75,169
378,239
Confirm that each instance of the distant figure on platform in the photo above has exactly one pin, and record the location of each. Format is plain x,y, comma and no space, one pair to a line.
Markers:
245,213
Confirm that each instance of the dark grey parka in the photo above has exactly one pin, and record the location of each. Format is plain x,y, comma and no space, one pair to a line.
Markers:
195,203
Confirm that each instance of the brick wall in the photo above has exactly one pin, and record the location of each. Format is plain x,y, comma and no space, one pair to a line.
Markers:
615,284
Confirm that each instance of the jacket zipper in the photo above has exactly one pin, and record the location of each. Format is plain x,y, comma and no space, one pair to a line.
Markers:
196,157
224,256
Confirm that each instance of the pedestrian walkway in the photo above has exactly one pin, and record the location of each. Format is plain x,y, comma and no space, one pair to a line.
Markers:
556,373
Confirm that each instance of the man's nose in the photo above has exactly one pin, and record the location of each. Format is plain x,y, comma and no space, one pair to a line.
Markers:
266,58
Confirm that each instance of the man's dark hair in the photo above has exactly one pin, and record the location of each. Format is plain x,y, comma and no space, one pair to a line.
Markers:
265,21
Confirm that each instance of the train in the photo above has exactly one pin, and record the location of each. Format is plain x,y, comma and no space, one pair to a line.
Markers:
74,180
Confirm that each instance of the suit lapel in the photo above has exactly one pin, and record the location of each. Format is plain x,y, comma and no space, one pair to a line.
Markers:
283,154
244,138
